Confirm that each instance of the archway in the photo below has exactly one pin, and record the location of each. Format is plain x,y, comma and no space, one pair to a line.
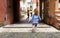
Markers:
19,11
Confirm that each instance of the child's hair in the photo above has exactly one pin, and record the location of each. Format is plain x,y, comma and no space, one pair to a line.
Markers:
36,11
27,10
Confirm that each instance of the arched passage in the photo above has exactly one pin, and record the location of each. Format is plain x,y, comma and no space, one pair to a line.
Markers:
42,7
46,11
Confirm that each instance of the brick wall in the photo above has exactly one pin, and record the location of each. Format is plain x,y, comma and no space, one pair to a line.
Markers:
10,11
51,11
3,5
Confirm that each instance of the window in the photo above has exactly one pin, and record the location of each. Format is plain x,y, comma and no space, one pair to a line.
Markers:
59,1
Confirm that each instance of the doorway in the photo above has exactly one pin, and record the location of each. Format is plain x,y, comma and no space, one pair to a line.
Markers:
15,11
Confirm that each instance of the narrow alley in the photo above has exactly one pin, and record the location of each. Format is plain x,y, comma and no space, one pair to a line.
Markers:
16,15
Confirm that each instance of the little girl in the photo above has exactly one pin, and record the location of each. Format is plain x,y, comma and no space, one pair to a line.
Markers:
35,20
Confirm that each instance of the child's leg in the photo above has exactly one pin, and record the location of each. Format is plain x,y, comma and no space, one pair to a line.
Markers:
34,26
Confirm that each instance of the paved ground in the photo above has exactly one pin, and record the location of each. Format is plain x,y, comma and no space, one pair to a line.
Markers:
30,35
27,28
24,31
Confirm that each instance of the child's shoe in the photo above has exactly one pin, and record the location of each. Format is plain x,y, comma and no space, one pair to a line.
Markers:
33,30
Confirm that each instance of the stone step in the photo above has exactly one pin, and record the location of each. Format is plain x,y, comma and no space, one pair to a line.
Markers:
57,14
51,29
57,11
26,26
59,23
58,19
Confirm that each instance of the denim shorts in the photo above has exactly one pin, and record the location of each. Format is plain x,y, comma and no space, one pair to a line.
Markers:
35,24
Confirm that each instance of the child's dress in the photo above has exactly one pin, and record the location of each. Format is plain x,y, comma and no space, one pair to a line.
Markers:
35,18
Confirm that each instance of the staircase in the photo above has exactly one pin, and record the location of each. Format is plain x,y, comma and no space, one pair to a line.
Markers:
27,28
57,15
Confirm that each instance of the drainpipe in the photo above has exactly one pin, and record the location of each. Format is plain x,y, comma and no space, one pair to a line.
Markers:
38,7
6,14
6,19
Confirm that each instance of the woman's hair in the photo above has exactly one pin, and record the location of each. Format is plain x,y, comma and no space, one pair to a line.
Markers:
36,11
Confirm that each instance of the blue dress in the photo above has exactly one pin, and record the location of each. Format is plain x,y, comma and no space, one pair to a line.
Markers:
35,18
